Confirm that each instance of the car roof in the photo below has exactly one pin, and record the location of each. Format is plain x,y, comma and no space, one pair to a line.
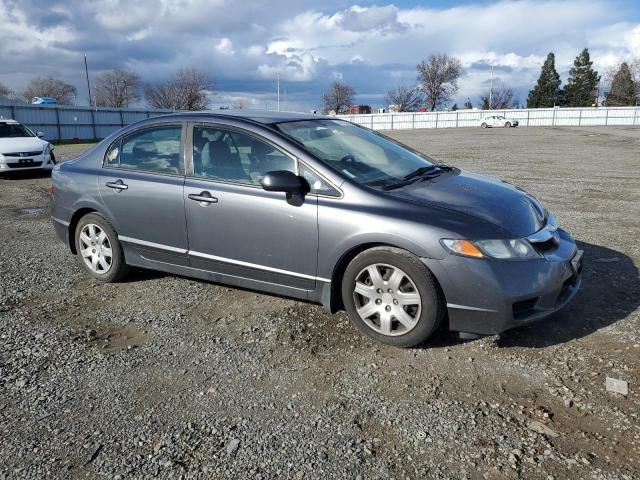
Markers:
260,116
8,120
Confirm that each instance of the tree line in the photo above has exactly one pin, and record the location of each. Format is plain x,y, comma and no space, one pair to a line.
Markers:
437,82
188,89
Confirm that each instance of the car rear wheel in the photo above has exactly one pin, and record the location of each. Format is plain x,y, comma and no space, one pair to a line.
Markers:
98,248
484,125
507,125
391,296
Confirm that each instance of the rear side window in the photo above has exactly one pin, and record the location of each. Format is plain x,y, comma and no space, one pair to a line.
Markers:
152,150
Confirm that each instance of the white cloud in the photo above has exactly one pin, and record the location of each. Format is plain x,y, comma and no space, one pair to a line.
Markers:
225,46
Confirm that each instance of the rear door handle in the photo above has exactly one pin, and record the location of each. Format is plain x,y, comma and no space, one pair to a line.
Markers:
118,185
204,198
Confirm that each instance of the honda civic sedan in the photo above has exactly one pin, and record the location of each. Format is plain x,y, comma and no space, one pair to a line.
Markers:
317,209
21,149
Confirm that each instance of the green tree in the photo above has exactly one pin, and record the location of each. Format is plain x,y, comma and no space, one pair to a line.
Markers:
455,107
468,104
582,86
485,103
623,90
547,92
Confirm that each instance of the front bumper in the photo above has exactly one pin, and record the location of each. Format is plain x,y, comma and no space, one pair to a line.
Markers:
18,164
490,296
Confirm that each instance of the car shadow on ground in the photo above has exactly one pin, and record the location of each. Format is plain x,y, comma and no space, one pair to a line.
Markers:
610,292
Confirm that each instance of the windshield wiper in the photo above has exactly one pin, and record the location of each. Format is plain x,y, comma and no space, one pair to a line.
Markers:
419,171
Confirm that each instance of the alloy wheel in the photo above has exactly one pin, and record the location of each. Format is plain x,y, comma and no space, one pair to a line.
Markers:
387,300
95,248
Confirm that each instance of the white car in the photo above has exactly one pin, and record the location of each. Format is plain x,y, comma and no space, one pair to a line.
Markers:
21,149
498,121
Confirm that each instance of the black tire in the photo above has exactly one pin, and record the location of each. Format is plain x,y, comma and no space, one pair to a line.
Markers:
484,125
431,299
118,268
507,125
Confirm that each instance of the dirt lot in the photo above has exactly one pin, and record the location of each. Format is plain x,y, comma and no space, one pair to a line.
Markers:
170,377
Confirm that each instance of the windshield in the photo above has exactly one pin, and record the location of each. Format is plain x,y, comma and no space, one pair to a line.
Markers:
12,130
360,154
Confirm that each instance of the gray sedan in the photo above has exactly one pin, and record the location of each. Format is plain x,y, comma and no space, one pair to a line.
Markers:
319,209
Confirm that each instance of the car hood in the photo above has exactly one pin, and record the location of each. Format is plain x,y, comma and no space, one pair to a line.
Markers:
510,208
21,144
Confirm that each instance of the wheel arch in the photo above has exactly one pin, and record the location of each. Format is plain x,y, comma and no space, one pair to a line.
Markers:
73,223
335,303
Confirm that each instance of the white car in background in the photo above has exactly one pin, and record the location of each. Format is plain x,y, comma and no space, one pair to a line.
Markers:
21,149
498,121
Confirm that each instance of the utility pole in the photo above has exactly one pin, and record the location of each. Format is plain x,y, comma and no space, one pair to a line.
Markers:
278,88
491,89
86,72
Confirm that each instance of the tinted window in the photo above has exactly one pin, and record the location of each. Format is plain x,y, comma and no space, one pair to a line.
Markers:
151,150
229,155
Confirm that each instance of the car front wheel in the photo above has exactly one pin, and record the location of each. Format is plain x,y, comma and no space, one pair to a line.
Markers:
98,248
391,296
484,125
507,125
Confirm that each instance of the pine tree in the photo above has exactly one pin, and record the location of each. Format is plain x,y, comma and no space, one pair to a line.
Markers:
485,103
547,91
582,85
455,107
623,89
467,104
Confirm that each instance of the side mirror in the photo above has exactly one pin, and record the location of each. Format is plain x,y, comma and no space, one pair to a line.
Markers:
40,134
282,181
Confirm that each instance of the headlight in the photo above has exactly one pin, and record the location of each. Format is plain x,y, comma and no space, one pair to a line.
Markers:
48,149
517,249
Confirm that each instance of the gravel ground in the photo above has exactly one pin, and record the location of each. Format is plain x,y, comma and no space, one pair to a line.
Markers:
163,376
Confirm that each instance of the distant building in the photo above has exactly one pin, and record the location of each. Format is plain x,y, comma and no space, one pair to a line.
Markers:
394,108
359,109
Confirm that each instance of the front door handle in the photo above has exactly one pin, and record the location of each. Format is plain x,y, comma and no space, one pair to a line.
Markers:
118,185
204,198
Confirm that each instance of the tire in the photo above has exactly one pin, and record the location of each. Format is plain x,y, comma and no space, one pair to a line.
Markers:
93,249
507,125
484,125
374,313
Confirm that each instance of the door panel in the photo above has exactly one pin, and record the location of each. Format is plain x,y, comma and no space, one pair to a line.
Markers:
253,234
147,209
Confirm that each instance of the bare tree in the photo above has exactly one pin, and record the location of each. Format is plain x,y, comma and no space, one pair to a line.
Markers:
406,99
189,90
239,103
438,77
50,87
339,97
117,88
4,90
502,96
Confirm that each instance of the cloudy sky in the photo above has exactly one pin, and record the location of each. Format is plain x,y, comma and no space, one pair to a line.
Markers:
371,45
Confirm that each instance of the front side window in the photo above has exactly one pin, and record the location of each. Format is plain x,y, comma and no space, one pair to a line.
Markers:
229,155
359,154
151,150
14,130
317,184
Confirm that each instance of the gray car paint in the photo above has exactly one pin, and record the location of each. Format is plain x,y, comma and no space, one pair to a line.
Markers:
257,239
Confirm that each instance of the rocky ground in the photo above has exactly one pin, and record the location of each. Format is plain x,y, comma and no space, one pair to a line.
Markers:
168,377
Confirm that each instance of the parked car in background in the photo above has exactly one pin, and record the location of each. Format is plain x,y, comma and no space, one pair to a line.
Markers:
498,121
43,101
319,209
21,149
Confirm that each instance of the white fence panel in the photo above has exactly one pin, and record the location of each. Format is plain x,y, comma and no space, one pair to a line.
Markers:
535,117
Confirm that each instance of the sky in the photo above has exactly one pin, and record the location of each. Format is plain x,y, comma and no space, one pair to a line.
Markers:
372,46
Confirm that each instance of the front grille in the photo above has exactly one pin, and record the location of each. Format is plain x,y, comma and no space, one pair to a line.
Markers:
23,154
24,165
